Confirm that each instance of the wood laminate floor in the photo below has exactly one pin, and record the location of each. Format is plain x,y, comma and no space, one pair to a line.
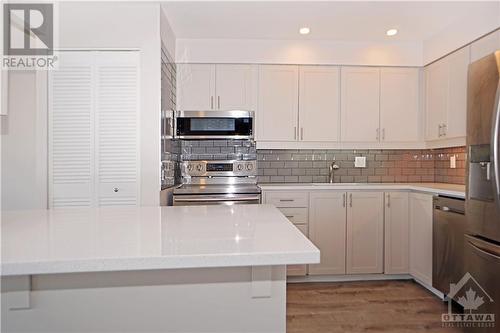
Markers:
379,306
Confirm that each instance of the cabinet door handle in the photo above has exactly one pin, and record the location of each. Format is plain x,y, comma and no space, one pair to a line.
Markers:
295,132
383,134
378,134
388,200
343,200
444,129
218,102
211,102
302,133
350,199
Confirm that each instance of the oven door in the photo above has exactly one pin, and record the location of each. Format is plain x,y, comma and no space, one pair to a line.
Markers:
216,199
214,125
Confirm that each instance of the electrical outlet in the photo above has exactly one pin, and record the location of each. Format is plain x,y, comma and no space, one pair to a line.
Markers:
453,161
360,162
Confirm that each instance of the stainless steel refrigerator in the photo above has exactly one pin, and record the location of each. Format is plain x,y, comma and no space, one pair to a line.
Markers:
482,238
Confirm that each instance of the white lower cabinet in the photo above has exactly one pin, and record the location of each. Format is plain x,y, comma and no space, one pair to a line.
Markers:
298,270
365,233
421,237
396,233
362,232
327,230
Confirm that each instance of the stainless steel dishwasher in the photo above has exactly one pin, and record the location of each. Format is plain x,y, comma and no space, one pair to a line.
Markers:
448,242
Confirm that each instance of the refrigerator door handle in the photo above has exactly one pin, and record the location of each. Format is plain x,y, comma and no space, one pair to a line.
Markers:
495,143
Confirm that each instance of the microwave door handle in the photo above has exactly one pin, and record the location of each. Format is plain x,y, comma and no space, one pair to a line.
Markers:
495,143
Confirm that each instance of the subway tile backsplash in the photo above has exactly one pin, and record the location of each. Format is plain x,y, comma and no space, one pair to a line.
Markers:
382,166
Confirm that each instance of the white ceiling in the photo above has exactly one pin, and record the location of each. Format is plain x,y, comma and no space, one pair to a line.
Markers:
333,20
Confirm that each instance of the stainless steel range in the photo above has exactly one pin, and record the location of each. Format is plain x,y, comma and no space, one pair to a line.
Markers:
226,182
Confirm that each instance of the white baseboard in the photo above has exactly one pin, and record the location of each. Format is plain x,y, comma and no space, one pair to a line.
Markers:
347,278
362,277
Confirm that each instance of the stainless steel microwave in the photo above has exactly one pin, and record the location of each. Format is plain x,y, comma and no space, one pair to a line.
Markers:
235,124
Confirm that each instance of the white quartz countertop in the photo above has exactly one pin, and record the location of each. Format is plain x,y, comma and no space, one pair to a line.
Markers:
144,238
453,190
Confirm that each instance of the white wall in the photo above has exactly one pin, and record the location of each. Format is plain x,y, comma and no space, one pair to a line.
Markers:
24,168
91,25
485,19
297,52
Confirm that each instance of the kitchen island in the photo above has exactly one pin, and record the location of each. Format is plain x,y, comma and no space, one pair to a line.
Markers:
149,269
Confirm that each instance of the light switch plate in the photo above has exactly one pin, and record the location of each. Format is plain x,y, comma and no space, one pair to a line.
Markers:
360,162
453,161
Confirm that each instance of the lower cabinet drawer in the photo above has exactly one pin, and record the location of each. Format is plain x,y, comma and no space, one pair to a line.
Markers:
295,215
298,270
287,199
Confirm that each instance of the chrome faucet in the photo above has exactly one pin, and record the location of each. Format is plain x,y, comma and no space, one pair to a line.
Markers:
332,168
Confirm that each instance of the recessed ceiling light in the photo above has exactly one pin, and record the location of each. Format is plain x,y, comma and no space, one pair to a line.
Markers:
304,30
391,32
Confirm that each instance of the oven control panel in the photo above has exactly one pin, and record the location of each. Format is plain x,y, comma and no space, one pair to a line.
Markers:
219,168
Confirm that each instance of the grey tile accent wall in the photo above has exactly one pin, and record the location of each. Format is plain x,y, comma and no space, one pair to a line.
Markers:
382,166
218,150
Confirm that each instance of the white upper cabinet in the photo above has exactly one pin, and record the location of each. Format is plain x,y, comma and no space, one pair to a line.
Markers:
399,104
484,46
195,87
365,233
436,99
234,87
215,87
319,103
446,94
458,63
277,114
360,98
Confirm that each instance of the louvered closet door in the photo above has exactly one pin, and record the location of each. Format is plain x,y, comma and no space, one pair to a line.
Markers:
117,137
71,131
93,129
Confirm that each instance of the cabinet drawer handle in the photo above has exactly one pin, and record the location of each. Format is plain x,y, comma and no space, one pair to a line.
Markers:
115,189
287,200
289,216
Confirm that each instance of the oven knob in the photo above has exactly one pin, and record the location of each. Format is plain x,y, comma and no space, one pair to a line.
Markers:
190,167
249,166
199,167
239,167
